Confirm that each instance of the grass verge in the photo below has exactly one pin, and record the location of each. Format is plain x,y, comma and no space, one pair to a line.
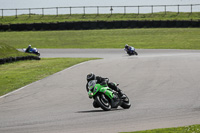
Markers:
35,18
9,51
18,74
152,38
185,129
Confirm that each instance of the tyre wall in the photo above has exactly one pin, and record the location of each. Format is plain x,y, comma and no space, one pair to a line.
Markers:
13,59
86,25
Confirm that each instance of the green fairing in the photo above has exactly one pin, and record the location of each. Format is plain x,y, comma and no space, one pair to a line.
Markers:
99,88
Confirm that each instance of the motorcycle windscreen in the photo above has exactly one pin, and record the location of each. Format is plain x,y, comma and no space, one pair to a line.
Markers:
91,84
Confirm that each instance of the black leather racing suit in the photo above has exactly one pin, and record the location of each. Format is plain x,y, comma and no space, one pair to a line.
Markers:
104,81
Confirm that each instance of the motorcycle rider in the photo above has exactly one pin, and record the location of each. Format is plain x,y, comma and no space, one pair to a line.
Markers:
28,49
128,48
103,81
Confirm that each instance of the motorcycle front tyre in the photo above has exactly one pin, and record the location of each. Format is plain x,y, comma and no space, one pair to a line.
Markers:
95,105
126,103
100,99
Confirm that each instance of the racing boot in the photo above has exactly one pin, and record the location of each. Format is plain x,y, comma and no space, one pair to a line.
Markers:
121,94
115,98
115,88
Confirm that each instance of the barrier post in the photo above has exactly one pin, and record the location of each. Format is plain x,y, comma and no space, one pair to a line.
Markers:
178,9
97,10
84,11
111,9
2,13
42,11
29,12
15,13
124,10
56,11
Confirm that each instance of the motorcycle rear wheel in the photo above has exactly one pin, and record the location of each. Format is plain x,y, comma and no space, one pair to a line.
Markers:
103,102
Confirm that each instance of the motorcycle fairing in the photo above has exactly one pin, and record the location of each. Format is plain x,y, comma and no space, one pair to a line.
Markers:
106,90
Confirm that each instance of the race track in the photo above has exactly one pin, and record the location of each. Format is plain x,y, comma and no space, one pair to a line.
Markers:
163,87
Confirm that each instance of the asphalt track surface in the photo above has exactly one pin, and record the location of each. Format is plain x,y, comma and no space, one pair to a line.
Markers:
163,87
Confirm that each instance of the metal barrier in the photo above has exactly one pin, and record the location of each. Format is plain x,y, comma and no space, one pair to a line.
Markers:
101,10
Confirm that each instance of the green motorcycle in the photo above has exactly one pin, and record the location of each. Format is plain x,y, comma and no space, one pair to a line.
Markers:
105,97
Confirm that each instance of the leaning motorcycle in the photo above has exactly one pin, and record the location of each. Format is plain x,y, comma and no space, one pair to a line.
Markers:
33,51
105,97
132,51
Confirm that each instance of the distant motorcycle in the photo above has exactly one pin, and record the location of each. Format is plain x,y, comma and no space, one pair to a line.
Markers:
131,51
32,50
105,97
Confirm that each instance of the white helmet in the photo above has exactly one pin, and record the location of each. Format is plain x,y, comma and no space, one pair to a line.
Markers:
126,46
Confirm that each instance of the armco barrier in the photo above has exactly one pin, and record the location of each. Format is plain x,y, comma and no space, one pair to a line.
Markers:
85,25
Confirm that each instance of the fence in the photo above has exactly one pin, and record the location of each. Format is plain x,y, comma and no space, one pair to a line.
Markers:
101,10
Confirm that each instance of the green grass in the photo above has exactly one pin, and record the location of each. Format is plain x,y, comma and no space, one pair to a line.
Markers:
8,51
185,129
151,38
18,74
34,18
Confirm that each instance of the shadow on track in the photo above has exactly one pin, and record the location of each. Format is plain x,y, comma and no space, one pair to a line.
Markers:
90,111
95,111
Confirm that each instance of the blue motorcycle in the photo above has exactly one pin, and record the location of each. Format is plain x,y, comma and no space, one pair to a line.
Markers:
32,50
131,51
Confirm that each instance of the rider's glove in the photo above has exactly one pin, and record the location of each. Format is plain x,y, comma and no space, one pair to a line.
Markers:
90,95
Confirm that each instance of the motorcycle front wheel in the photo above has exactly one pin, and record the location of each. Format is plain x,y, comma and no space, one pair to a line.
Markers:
126,103
103,102
136,53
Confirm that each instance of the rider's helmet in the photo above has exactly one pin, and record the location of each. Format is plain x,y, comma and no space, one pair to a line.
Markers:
90,77
126,46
